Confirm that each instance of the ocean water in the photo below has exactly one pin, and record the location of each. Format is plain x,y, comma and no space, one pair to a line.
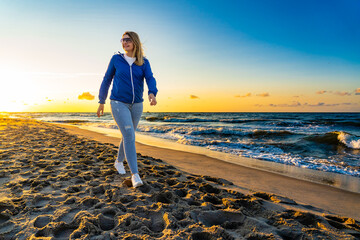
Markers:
328,142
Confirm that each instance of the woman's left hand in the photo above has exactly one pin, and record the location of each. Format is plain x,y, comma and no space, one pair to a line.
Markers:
152,99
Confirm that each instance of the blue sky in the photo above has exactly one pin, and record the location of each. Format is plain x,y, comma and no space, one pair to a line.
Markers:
327,28
215,50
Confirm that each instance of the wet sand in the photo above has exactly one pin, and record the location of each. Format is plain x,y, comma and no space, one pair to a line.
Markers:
58,184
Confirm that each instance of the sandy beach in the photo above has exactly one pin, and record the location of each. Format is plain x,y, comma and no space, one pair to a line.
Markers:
59,182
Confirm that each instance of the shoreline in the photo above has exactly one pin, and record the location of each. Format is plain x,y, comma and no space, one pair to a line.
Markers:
246,179
341,181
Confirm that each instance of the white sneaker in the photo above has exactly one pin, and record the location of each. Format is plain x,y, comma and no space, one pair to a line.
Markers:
120,167
136,181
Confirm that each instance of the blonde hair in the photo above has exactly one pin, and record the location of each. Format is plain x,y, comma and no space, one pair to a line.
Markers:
138,52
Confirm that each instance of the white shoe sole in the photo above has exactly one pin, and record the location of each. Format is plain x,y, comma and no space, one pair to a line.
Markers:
119,168
138,185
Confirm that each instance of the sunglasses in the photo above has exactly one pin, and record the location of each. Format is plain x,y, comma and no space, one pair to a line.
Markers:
126,40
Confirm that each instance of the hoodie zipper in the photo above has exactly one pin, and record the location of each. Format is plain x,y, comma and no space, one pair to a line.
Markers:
132,81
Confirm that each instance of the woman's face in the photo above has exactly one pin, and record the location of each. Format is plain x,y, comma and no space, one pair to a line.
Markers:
127,43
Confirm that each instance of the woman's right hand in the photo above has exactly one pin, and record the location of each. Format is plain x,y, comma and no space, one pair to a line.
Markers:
100,110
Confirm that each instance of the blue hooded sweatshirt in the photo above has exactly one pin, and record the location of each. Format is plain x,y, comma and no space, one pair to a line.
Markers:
128,86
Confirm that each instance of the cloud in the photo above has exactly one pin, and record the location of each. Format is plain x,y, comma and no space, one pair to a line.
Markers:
321,104
298,104
357,91
342,93
246,95
265,94
193,97
86,96
296,96
293,104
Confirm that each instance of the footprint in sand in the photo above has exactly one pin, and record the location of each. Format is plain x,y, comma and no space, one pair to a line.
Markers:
4,217
40,201
42,220
89,201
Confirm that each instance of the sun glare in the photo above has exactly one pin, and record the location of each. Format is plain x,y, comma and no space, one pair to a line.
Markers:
17,91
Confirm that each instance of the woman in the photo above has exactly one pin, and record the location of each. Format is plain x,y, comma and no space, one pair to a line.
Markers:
126,100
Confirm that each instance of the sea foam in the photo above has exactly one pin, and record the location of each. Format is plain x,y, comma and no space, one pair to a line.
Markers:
348,140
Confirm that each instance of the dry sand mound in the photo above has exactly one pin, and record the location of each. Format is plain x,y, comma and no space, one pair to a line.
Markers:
58,186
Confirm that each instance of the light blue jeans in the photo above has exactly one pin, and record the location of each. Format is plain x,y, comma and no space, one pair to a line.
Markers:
127,117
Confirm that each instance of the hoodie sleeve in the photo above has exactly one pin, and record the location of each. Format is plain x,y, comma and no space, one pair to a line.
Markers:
150,80
104,88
